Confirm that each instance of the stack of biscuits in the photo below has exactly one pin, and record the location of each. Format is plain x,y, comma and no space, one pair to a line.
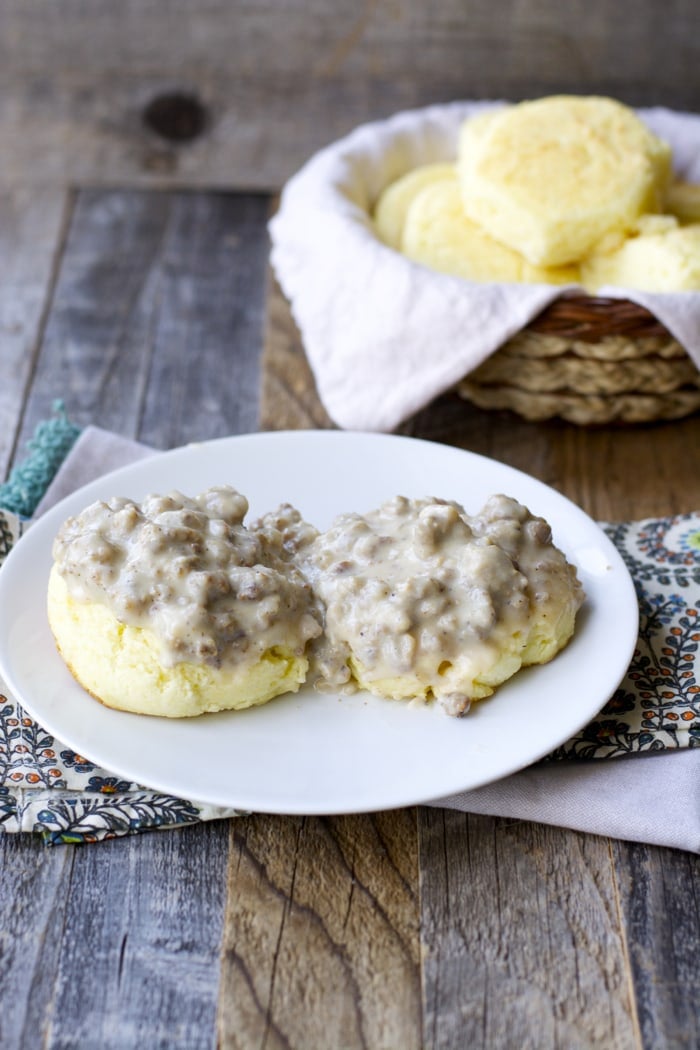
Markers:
564,190
559,190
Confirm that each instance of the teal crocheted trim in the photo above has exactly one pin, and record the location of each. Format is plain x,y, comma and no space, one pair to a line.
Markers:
53,439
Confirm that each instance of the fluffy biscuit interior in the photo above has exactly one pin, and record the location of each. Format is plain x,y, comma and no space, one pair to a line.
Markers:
121,665
393,204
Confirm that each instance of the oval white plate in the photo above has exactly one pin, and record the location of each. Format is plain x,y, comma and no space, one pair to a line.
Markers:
317,753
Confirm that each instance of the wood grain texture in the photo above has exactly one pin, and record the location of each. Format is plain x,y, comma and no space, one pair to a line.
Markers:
32,888
31,228
33,897
205,372
155,325
136,952
613,472
281,80
321,944
661,911
288,398
521,937
118,944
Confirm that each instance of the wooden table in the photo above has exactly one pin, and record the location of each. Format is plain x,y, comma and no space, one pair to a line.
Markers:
152,313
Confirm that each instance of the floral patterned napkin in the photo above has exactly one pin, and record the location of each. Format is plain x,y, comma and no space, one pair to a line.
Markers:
46,787
657,705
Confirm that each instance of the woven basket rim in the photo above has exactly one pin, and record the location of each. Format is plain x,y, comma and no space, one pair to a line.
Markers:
591,318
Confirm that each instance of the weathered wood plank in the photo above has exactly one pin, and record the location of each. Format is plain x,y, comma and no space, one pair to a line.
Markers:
661,910
97,344
137,962
118,944
521,937
31,227
288,398
114,945
321,942
169,37
32,922
614,473
155,324
205,374
280,80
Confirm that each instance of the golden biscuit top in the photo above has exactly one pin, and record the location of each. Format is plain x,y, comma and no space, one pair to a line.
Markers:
551,177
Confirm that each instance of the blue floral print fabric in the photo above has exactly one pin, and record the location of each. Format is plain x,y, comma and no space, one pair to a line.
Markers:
657,705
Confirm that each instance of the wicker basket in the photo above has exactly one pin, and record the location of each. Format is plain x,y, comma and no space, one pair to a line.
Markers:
589,360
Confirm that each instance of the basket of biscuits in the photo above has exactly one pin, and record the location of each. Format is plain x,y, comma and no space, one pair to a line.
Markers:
563,190
550,253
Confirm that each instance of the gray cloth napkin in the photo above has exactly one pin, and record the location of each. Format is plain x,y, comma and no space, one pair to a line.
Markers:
652,797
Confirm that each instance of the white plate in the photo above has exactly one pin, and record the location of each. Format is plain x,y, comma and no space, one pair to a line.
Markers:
314,753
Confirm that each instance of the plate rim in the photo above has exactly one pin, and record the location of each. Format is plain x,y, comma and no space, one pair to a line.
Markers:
57,512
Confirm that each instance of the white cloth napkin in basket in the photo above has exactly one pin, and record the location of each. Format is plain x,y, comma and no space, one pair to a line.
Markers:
383,335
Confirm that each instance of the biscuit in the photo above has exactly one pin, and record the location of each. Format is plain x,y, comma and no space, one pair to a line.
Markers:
663,261
122,666
553,589
390,210
438,234
173,607
423,602
550,178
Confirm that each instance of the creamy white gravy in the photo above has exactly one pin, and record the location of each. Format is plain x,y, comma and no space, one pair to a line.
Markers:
422,599
212,590
416,592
